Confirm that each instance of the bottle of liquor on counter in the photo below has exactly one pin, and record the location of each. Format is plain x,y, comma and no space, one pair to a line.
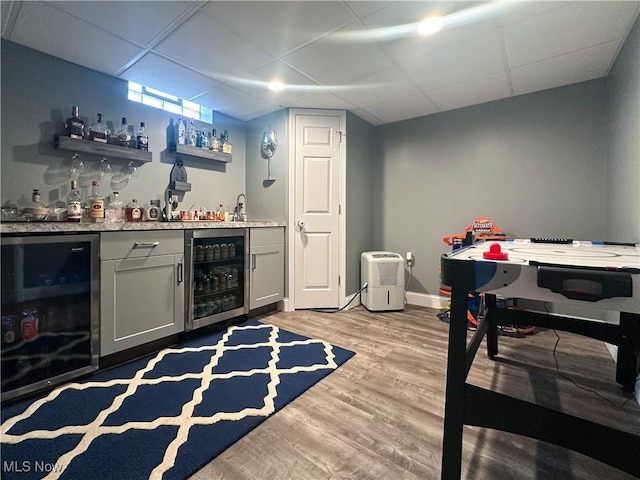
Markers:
74,126
115,212
95,202
142,139
74,204
220,215
181,132
124,137
215,143
35,209
134,212
99,132
152,211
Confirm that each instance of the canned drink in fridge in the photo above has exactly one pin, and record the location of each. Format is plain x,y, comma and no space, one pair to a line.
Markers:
29,324
10,330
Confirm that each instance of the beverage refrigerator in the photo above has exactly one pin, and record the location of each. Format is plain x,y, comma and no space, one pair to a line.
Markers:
216,275
50,311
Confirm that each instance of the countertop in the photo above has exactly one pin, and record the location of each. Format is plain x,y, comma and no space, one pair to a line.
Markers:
64,227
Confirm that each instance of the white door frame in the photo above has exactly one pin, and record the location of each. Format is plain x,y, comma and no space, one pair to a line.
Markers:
290,302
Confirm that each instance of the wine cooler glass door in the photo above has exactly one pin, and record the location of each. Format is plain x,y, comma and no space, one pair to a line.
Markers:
49,311
217,277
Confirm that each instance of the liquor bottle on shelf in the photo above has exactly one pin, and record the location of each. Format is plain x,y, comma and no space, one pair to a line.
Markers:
142,139
124,137
95,202
134,212
115,212
74,204
192,135
215,142
181,132
225,144
74,126
220,213
99,132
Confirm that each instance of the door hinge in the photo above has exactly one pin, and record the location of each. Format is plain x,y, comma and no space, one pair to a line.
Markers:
339,209
338,280
342,134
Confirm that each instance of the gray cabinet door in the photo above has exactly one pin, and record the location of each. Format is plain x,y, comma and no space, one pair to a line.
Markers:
142,299
267,275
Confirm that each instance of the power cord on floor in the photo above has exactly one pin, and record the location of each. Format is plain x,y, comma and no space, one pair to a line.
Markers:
336,310
566,377
407,280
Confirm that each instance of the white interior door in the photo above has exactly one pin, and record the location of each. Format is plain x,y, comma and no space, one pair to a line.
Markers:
317,240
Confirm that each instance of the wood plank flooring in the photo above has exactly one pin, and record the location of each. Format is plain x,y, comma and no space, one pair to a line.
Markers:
380,415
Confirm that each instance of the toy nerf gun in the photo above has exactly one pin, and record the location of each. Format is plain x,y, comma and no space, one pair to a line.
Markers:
482,228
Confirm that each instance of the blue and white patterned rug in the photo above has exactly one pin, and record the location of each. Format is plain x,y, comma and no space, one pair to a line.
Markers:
164,417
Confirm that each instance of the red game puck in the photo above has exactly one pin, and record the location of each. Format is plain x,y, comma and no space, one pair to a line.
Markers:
495,253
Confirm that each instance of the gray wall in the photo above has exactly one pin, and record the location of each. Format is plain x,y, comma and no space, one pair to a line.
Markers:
38,91
267,200
536,164
623,185
359,196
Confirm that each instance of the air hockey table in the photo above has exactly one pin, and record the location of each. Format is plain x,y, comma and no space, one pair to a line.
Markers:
599,274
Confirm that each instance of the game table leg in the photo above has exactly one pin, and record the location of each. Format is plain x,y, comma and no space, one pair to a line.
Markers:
455,386
492,331
628,350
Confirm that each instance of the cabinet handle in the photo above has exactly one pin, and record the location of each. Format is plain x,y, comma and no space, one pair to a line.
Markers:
179,273
253,261
145,244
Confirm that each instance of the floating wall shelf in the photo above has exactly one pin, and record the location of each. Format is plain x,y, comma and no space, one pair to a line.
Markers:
104,149
191,151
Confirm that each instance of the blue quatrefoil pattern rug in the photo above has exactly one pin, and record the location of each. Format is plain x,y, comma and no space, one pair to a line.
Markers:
166,416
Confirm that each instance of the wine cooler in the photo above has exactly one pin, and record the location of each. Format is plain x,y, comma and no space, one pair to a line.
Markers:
217,276
50,315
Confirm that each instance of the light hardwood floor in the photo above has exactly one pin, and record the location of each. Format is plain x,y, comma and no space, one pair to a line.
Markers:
380,415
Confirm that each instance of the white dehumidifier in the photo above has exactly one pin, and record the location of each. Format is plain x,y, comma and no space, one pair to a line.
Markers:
384,274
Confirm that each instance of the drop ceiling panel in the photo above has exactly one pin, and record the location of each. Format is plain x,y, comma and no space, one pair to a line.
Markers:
564,70
472,92
256,82
458,63
363,8
323,100
278,27
334,62
211,49
576,26
367,117
163,74
379,87
403,12
403,109
233,102
49,30
139,22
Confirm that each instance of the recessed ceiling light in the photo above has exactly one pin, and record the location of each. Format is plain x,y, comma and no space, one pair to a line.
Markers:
276,86
430,25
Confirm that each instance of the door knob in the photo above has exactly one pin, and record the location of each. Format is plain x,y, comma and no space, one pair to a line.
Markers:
301,224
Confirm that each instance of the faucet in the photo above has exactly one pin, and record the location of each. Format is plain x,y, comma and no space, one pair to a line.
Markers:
237,212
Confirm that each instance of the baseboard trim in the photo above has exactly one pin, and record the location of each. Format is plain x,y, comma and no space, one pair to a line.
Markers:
427,300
